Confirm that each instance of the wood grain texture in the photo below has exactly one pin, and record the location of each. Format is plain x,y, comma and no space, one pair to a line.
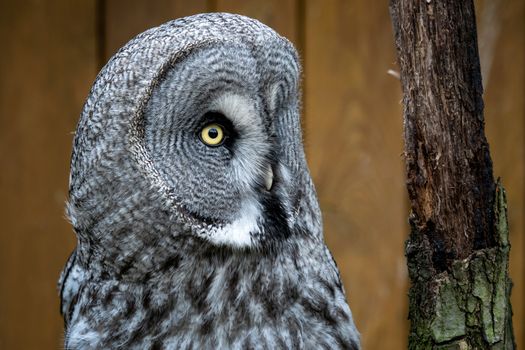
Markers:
281,15
124,19
47,66
354,143
449,169
454,223
505,128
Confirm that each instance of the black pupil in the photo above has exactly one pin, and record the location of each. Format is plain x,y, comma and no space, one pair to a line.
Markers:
213,133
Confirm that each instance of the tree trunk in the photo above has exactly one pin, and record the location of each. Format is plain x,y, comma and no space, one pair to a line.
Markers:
458,247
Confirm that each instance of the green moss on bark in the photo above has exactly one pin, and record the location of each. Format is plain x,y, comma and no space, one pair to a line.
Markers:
450,320
467,307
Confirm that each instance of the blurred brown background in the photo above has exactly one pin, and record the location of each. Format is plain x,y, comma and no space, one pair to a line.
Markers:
52,50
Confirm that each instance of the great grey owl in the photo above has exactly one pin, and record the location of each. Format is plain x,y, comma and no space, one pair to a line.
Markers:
197,221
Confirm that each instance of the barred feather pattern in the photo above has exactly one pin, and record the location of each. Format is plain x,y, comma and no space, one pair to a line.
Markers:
182,245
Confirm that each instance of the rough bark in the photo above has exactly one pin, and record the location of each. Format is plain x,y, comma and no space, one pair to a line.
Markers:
458,247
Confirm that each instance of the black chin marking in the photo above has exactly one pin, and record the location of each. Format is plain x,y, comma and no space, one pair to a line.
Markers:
275,225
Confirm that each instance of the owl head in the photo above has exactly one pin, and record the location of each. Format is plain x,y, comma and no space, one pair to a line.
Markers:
192,132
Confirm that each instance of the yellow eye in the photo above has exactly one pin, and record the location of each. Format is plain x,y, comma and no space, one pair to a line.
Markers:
212,135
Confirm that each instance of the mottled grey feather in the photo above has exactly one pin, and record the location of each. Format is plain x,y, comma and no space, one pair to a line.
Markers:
180,245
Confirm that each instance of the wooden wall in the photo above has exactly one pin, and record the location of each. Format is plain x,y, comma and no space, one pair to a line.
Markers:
52,51
47,65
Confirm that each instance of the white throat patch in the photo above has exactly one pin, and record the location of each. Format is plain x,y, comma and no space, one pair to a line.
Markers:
238,233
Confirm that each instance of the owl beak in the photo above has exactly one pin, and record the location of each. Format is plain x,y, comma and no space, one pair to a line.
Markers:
268,180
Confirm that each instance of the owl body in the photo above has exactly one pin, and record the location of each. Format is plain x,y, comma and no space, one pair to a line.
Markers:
197,220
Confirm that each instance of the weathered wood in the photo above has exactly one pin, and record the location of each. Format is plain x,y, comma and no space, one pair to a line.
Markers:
449,171
505,128
458,247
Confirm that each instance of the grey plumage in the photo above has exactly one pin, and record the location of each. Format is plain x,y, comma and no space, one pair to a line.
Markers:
180,245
